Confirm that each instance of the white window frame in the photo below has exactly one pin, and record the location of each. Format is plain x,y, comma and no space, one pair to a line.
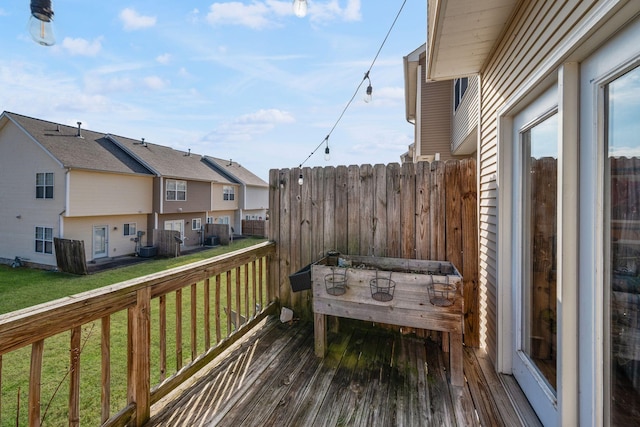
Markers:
177,187
127,227
41,236
228,193
460,87
196,223
45,185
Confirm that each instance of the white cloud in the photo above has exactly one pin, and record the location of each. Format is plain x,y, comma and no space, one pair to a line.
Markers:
165,58
132,20
82,47
331,11
155,82
245,127
253,15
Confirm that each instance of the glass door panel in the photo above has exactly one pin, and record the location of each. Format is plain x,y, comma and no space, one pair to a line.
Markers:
623,235
539,342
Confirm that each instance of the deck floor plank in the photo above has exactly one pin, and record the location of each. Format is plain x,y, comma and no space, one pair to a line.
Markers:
370,376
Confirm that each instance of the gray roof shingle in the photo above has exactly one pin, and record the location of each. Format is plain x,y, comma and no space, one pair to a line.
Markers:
238,172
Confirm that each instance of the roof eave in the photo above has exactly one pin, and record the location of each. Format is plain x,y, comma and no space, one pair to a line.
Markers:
453,53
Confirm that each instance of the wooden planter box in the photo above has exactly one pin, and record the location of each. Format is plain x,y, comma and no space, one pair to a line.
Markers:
410,305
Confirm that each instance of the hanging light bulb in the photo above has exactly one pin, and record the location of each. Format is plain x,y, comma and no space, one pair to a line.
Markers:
300,179
327,156
368,96
41,22
300,8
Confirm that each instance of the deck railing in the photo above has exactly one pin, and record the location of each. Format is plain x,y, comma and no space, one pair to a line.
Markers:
130,344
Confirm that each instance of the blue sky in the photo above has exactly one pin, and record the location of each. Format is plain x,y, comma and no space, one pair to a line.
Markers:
245,80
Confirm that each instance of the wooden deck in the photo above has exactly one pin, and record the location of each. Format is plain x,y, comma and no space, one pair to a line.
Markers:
370,377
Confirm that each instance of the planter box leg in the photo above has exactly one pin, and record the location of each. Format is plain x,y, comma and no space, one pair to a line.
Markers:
320,333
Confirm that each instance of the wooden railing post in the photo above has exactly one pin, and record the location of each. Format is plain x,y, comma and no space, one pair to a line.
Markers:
139,368
35,380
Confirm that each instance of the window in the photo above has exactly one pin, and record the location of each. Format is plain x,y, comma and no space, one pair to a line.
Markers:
129,229
196,223
210,220
44,240
228,193
223,220
44,185
459,88
176,190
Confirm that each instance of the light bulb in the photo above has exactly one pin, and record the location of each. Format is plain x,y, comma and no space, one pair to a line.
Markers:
327,156
368,96
300,8
41,22
300,180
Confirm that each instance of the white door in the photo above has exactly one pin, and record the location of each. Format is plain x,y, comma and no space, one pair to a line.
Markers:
100,241
176,225
535,231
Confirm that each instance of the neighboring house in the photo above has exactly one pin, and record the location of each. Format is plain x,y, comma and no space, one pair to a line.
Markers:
61,181
253,196
444,113
559,200
187,192
109,191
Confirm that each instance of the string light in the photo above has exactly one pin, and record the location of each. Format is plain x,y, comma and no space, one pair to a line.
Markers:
300,8
327,156
41,22
369,92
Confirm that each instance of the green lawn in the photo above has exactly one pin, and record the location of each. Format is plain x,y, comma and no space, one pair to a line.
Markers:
22,288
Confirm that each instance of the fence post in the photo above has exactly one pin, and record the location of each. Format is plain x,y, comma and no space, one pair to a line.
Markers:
140,358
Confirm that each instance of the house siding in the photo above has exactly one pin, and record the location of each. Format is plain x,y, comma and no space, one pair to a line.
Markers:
219,204
81,228
20,159
534,35
435,116
198,198
93,193
465,118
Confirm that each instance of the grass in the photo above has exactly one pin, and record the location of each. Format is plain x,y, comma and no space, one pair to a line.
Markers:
21,288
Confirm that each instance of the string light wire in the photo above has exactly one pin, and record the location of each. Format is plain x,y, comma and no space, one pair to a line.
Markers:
355,93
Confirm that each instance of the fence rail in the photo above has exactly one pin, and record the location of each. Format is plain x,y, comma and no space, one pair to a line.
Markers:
423,211
134,346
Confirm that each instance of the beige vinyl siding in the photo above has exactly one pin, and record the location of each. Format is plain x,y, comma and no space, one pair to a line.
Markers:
81,228
532,38
20,211
219,204
436,111
198,197
465,118
94,193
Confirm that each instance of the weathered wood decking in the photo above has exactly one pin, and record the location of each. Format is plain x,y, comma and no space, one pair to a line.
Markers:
370,377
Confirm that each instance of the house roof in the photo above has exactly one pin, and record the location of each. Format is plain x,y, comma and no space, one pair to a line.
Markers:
235,171
167,162
462,34
91,152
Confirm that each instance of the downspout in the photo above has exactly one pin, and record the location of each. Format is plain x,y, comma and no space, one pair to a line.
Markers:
67,185
244,204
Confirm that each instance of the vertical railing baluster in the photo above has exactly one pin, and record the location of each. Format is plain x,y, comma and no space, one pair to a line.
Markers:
246,292
74,386
0,389
238,306
178,329
163,337
254,294
263,281
207,314
105,345
217,308
194,321
35,381
139,369
228,302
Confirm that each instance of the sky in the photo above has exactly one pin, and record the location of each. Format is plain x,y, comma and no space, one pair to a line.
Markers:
241,80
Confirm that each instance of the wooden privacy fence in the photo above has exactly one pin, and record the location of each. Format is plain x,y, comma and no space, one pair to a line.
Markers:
424,211
70,256
254,227
129,344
